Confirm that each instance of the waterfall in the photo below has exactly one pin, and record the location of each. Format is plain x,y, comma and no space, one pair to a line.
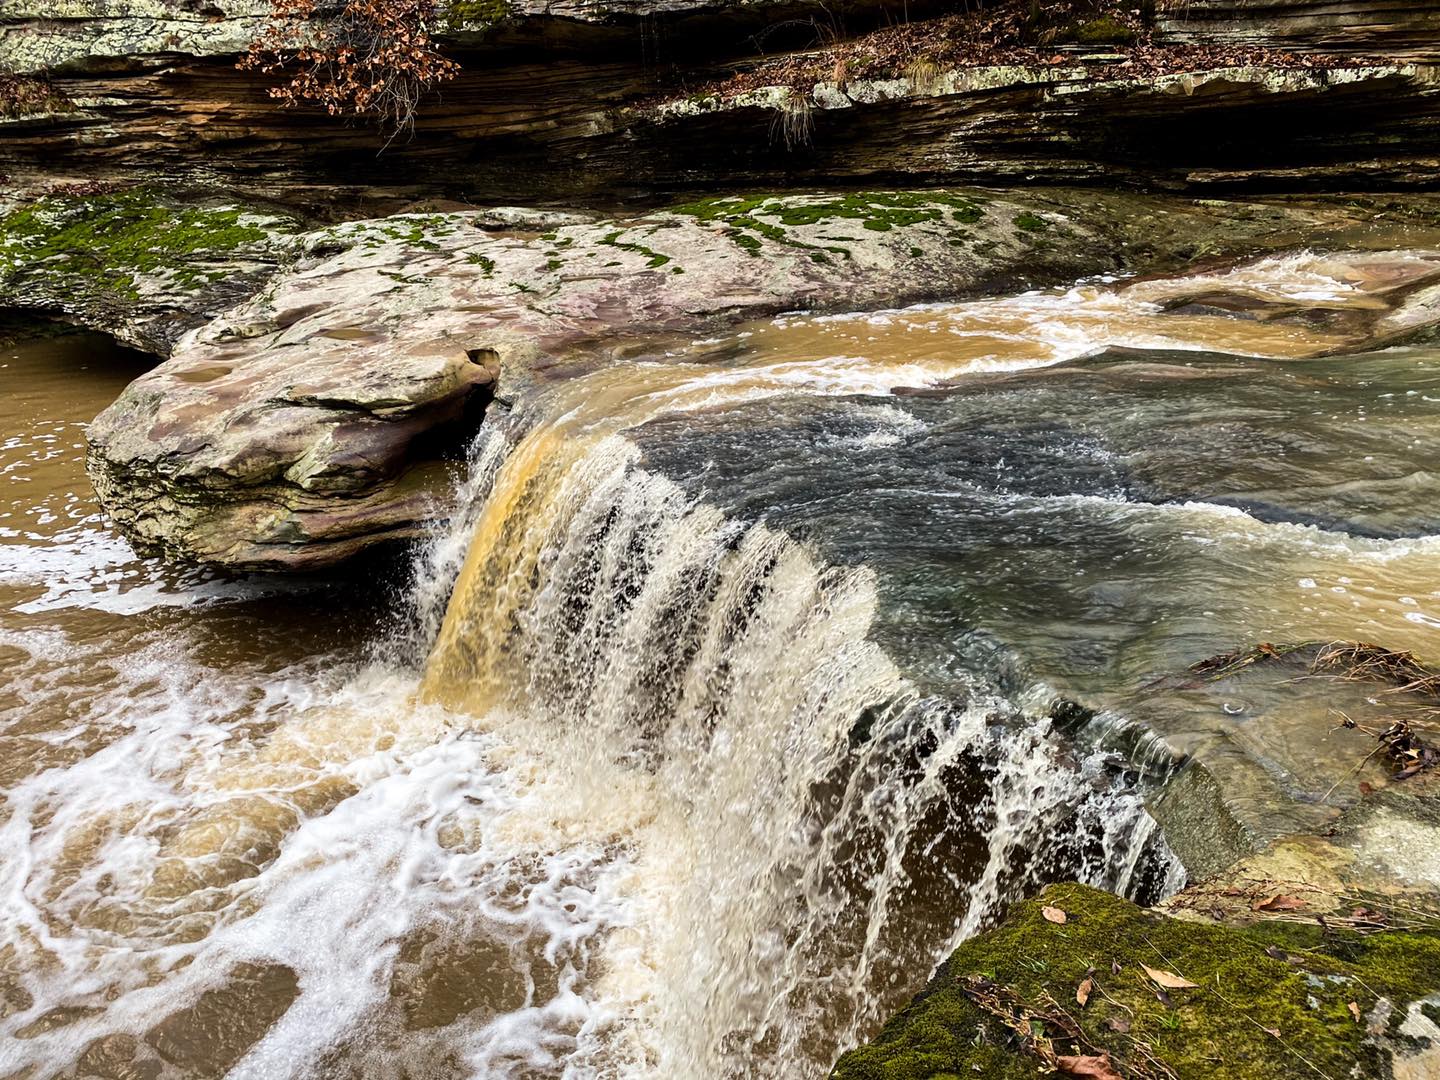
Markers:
804,834
634,790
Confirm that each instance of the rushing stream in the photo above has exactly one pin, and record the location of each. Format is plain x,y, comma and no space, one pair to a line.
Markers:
716,715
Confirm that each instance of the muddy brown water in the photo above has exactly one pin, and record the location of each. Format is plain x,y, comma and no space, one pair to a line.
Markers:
735,723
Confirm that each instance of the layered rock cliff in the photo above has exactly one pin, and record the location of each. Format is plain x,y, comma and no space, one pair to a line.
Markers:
602,103
1399,27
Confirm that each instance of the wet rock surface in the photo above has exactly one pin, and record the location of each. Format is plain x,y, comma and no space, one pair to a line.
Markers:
305,423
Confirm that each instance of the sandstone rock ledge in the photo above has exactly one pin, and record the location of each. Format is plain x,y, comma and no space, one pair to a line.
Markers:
310,420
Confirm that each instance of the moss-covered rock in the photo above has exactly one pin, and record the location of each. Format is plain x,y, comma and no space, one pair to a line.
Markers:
1271,1000
1106,30
136,263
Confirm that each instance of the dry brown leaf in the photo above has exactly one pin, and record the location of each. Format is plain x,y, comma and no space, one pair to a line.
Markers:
1082,992
1280,903
1273,1031
1169,979
1053,914
1354,1008
1117,1023
1095,1066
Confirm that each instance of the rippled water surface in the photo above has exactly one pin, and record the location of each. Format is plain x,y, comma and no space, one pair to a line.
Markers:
738,717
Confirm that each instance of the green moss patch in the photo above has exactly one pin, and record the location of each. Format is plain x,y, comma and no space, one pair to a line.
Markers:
473,13
1106,30
107,242
1272,1000
653,259
754,220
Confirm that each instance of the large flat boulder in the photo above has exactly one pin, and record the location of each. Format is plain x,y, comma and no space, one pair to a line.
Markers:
310,421
301,427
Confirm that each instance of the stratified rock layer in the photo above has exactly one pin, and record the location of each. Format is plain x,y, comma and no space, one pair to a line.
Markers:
1396,26
580,103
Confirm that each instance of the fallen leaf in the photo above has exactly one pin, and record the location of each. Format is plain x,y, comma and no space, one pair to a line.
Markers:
1354,1010
1053,914
1273,1031
1366,788
1115,1023
1114,967
1082,992
1280,903
1096,1066
1169,979
1274,952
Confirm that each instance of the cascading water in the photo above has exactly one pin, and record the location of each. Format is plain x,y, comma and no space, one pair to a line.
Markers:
801,808
706,697
647,783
